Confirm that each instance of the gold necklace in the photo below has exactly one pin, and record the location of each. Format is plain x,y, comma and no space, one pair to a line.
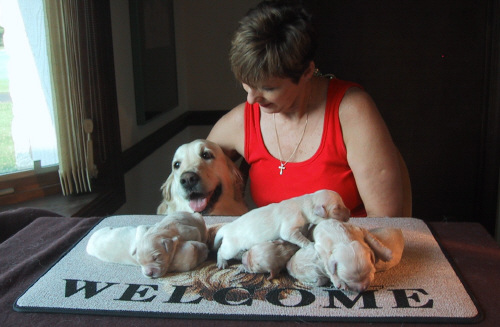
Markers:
282,165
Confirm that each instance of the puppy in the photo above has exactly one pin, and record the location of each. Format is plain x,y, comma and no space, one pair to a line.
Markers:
286,220
157,248
270,256
306,266
393,239
188,255
205,180
348,253
118,245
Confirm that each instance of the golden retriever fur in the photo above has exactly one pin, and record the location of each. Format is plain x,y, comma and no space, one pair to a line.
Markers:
203,179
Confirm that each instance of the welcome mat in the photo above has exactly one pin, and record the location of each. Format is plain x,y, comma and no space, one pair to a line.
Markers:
424,287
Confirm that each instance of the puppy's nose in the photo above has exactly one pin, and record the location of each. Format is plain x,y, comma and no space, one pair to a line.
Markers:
189,179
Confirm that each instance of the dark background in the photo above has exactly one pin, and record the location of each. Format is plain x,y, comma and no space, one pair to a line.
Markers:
432,69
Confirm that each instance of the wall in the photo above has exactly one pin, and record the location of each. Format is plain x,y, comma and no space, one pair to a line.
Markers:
203,30
143,182
429,66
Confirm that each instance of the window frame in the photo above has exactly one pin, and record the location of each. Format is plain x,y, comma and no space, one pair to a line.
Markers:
109,186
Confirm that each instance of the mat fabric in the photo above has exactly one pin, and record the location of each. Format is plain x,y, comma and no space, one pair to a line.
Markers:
422,288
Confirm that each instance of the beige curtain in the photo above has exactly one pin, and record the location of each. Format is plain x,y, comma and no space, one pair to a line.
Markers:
65,37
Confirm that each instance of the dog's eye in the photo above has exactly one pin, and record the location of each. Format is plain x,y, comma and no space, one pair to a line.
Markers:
177,164
207,155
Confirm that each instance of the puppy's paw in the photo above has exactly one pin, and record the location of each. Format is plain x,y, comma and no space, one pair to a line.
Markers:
221,263
242,269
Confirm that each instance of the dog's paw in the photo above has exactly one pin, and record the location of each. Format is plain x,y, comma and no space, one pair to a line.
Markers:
221,263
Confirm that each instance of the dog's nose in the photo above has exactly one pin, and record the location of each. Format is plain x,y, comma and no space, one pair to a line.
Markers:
189,179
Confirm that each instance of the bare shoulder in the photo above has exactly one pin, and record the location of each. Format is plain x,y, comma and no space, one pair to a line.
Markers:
356,104
359,117
229,131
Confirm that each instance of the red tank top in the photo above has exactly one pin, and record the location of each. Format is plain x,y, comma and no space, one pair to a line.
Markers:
326,169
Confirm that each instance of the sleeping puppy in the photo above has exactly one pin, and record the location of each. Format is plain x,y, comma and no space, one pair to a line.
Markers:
349,254
203,179
286,220
393,239
158,247
118,245
270,256
306,266
186,255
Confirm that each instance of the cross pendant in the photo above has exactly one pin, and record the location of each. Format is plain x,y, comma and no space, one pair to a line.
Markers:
281,168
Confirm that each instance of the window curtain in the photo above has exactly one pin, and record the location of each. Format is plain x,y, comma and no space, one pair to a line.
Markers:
68,41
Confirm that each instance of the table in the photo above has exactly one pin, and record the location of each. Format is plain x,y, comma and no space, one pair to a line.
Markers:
31,251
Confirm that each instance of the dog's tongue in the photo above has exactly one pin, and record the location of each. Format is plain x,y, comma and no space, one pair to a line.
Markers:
199,204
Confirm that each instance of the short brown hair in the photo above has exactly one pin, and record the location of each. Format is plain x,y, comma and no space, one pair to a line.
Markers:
275,39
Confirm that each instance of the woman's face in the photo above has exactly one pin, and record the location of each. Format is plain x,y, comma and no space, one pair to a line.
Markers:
276,95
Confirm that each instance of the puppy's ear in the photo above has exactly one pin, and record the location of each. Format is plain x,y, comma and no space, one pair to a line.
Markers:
170,244
319,210
381,251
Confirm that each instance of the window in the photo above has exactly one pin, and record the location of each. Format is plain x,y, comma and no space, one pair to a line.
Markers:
27,126
95,67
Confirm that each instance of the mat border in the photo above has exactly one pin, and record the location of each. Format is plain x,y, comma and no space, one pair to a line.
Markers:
149,314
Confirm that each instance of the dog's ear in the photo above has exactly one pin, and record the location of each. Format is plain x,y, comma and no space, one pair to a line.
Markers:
236,179
319,210
166,188
381,251
170,244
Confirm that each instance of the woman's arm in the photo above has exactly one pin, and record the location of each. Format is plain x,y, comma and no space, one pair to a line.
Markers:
372,155
229,132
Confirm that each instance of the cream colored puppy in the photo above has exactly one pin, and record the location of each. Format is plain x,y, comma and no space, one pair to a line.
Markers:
286,220
116,244
306,266
393,239
203,179
268,257
348,253
158,247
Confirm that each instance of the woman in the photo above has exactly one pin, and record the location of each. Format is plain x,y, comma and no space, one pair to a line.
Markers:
301,131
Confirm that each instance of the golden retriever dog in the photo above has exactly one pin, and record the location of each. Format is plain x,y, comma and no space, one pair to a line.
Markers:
287,220
204,180
177,242
349,254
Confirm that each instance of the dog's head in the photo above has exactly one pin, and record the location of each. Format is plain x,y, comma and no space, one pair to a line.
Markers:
201,174
155,252
354,264
329,204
